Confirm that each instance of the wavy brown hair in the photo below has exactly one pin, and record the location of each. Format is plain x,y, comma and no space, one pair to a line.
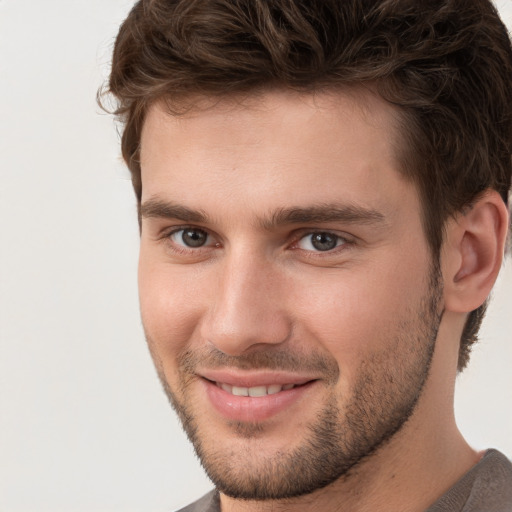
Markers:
445,64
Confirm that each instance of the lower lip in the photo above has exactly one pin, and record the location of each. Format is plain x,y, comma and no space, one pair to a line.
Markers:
253,409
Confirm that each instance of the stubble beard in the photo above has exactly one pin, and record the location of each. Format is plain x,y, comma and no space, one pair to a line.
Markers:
384,397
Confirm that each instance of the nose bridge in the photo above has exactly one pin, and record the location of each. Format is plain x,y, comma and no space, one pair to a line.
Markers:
247,308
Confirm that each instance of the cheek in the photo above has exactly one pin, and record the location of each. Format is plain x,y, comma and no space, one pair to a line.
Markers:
356,313
169,304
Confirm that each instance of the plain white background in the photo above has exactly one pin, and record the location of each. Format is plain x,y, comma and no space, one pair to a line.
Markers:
84,425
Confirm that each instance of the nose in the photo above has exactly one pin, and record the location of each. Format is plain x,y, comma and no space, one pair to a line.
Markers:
247,309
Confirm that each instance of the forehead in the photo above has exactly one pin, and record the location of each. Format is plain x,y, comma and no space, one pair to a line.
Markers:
275,109
273,147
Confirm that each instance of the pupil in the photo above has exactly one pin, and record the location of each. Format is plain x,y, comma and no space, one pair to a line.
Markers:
193,237
323,241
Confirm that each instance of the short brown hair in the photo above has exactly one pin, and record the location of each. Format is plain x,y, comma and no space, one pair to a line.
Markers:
445,64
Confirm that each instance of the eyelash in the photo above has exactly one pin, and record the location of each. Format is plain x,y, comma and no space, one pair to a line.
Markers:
343,242
184,249
338,240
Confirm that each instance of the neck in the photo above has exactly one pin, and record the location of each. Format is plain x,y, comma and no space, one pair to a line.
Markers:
409,473
387,481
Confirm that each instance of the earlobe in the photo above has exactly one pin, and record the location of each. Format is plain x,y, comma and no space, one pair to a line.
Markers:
473,252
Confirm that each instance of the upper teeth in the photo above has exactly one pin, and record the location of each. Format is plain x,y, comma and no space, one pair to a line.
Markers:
256,390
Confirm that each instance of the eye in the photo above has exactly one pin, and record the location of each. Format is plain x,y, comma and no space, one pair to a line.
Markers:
320,241
190,237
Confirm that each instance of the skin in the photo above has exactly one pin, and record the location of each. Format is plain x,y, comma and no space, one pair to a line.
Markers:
370,323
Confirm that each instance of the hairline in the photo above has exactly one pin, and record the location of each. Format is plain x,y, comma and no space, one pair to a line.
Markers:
401,139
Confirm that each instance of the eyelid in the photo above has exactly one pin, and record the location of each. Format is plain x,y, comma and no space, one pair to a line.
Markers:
173,236
166,234
345,239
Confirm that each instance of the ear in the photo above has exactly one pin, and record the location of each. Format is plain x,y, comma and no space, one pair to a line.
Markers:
473,252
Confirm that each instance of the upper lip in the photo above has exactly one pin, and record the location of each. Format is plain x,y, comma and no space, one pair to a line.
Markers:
253,378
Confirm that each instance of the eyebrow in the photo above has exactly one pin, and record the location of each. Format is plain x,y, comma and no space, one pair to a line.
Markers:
155,208
316,214
349,214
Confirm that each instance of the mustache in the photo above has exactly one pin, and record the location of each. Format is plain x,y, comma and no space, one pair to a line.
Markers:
278,359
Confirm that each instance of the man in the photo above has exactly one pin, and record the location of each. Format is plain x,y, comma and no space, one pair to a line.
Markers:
322,191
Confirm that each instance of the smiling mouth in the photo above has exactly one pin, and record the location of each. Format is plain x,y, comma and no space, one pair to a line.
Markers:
255,391
257,400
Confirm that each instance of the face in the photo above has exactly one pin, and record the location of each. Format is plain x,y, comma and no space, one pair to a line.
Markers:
286,288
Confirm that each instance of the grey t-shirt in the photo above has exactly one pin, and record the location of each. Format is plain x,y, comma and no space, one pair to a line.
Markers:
487,487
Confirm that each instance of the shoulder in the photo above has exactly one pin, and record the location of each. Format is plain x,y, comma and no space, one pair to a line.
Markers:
487,487
208,503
